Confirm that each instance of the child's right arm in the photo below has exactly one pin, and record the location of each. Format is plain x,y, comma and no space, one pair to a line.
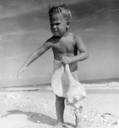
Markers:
34,56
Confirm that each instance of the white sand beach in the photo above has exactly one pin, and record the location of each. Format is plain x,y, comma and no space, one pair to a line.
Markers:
35,108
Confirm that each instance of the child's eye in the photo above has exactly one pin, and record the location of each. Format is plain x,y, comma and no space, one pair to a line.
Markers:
57,24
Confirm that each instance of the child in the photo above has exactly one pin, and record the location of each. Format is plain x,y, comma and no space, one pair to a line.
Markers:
67,48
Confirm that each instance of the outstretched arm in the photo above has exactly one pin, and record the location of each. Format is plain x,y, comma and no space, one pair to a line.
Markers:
34,56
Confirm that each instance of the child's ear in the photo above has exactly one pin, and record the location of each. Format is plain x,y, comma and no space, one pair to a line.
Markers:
68,25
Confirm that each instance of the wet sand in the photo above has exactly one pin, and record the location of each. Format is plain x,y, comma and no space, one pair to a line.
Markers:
35,108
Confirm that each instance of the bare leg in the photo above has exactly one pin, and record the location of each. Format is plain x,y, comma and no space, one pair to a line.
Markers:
60,111
78,117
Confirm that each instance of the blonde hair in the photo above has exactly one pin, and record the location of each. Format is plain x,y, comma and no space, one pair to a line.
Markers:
60,9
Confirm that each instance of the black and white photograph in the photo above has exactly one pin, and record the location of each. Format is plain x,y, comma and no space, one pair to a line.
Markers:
59,64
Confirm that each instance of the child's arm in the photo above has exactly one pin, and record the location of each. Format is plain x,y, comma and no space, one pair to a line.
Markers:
83,54
35,55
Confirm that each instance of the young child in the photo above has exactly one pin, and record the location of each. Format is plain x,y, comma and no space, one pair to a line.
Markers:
67,48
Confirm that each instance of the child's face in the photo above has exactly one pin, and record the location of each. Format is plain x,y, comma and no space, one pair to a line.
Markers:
58,25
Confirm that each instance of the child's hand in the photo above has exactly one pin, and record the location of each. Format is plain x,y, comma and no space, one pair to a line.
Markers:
66,60
21,70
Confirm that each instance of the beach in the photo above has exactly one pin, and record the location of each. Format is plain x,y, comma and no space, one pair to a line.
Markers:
35,107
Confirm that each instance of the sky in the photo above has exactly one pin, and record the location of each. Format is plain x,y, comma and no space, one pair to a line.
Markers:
24,26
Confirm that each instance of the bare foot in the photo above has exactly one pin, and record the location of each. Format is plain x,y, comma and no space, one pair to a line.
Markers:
60,125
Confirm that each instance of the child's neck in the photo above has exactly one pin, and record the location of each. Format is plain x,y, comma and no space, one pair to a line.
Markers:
66,33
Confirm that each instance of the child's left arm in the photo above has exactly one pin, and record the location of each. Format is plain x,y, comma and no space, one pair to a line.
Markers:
83,54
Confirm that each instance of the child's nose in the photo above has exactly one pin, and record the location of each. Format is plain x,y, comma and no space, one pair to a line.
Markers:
54,26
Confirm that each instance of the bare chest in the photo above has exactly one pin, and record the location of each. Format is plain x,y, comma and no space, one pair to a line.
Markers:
64,46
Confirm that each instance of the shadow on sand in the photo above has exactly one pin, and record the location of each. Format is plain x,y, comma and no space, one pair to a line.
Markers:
37,117
34,117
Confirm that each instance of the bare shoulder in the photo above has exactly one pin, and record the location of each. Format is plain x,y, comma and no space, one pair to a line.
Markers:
49,42
77,38
80,43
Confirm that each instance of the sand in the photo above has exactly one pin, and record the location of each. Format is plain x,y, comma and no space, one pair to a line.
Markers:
36,109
